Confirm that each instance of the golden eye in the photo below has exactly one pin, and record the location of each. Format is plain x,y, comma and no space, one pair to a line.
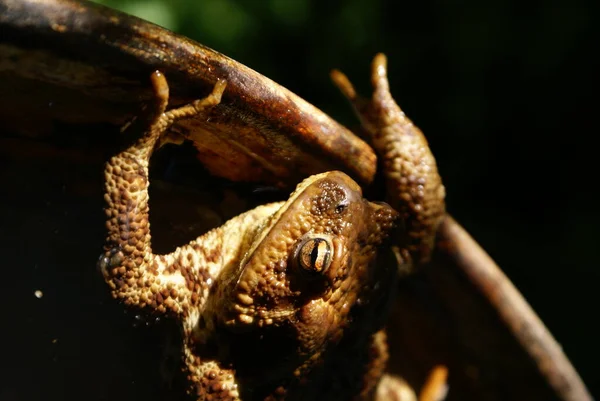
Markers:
315,255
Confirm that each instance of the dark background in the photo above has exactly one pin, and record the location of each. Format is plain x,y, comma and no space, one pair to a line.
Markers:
502,89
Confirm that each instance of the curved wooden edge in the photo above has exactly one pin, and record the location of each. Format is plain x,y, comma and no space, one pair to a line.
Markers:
514,311
93,63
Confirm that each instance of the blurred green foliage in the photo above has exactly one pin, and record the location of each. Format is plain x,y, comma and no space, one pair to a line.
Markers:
456,46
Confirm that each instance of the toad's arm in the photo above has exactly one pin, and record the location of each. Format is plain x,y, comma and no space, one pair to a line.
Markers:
413,184
162,283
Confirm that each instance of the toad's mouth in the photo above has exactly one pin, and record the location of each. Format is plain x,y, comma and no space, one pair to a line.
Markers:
264,317
339,302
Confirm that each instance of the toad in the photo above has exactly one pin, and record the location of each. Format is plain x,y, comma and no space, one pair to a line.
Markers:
288,300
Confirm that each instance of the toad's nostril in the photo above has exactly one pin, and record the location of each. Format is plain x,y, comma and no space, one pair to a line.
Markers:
341,207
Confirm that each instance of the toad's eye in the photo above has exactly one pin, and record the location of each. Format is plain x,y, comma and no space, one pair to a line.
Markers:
315,254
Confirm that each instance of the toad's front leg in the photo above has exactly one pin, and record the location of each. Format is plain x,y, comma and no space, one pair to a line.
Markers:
135,275
414,186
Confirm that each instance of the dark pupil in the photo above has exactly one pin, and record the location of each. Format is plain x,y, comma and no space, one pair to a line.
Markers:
315,255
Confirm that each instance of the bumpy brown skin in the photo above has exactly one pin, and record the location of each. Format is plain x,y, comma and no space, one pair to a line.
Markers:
258,320
414,187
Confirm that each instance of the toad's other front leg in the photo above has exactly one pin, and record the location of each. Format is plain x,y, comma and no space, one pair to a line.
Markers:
394,388
414,186
134,274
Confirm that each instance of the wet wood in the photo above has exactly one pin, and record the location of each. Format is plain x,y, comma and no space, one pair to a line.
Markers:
79,62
